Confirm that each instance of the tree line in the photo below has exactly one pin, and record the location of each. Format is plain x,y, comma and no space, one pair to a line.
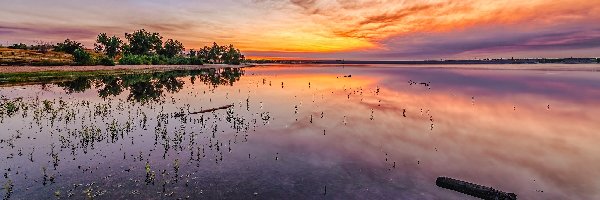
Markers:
140,48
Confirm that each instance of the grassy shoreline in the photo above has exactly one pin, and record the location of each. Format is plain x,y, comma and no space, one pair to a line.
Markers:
25,69
19,75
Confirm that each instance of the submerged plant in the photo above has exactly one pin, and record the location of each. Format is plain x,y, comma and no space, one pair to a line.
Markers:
8,188
150,175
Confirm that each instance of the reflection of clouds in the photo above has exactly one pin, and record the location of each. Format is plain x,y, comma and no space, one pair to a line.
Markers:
487,142
567,86
484,141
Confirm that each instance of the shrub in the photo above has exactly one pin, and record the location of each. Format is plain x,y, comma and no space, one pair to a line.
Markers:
68,46
195,61
158,60
134,60
106,61
18,46
178,61
81,57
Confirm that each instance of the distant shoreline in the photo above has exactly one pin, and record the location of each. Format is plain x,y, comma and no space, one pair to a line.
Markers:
446,62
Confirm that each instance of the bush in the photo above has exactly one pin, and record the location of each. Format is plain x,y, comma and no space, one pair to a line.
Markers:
68,46
134,60
42,47
106,61
81,57
195,61
158,60
18,46
178,61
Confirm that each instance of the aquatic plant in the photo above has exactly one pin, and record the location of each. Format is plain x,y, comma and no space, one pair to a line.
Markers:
9,108
150,175
8,189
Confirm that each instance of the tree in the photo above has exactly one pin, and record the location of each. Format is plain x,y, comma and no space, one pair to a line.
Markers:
111,46
203,53
193,53
142,42
171,48
220,54
232,56
68,46
215,53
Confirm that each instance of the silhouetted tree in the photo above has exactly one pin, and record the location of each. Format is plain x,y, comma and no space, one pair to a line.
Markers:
232,56
221,54
192,53
171,48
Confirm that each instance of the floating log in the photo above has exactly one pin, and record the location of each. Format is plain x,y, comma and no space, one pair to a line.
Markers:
475,190
204,111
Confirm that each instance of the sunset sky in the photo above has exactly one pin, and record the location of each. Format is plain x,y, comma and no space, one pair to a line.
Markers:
325,29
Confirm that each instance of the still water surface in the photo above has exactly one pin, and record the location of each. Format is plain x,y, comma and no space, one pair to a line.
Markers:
303,132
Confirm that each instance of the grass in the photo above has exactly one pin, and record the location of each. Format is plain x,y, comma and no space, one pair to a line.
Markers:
30,57
55,76
228,76
23,57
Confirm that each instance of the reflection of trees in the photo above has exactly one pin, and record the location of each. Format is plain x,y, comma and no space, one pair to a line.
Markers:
171,84
80,84
150,86
111,87
225,76
145,92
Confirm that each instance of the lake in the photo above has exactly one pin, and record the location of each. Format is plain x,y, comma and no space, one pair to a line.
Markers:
304,132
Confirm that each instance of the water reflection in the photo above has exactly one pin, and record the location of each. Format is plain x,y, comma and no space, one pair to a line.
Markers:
147,87
339,132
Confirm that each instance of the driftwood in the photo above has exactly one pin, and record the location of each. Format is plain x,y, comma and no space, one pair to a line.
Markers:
204,111
475,190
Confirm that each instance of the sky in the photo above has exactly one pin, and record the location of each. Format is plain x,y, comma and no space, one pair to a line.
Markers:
325,29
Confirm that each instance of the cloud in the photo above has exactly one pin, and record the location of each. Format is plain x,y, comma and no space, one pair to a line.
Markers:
490,41
33,34
373,29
